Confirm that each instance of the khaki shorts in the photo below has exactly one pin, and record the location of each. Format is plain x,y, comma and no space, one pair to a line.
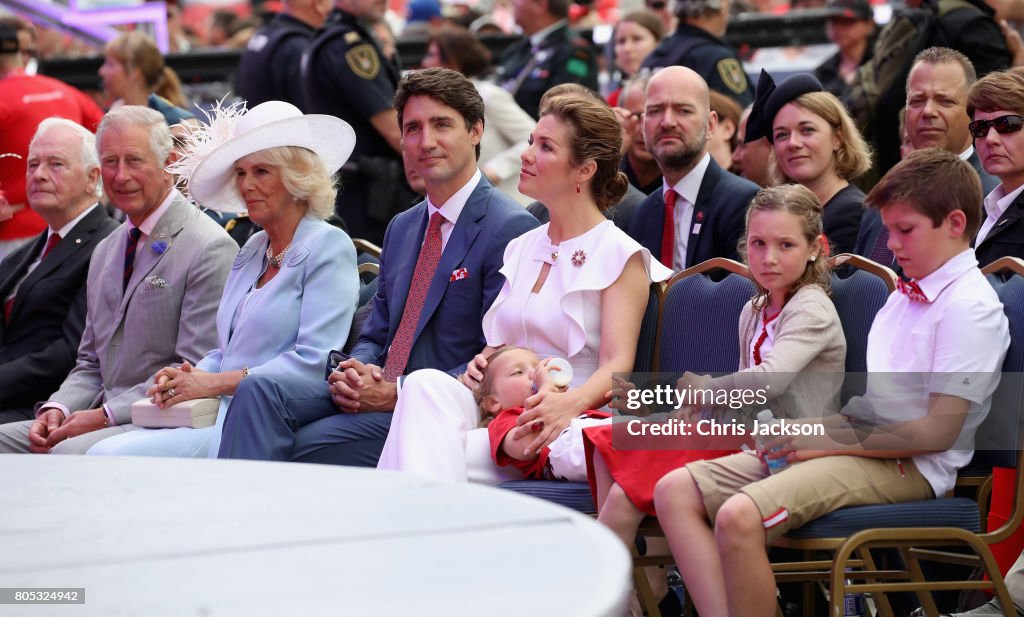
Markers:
807,490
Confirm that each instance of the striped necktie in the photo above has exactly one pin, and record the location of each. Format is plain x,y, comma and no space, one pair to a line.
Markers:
129,255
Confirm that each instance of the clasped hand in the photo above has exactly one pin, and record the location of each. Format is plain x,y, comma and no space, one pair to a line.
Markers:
177,385
51,427
356,387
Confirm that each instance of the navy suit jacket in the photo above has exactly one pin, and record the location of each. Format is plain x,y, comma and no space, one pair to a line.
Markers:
39,345
871,220
722,203
1006,238
449,330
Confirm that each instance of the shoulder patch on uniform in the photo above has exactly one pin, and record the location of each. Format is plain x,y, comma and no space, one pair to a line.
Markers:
577,67
352,37
731,72
363,61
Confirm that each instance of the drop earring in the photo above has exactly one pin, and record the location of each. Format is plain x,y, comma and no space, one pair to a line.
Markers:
577,187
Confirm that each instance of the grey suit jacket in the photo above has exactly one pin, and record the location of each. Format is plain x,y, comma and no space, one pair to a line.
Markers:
166,315
804,369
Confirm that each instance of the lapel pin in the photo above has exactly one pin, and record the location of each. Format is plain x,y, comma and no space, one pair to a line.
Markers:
78,240
699,216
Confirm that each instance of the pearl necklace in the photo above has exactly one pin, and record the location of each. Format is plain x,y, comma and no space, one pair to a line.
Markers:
279,259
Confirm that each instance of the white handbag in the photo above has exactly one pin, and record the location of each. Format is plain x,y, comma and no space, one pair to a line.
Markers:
196,413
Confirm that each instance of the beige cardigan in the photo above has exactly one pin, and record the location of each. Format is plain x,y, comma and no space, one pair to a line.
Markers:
803,372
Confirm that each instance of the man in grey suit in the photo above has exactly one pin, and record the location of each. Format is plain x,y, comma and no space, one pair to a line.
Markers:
153,289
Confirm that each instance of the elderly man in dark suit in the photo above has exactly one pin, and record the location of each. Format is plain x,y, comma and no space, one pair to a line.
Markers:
42,285
439,273
153,288
699,213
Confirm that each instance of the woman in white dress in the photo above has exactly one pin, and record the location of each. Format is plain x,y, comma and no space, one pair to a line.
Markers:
575,288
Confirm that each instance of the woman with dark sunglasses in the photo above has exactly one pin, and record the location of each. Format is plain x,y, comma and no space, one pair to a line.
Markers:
996,105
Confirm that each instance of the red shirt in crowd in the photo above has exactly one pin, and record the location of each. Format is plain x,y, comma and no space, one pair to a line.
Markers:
25,101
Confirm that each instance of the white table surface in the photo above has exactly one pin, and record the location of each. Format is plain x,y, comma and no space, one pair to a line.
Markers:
181,537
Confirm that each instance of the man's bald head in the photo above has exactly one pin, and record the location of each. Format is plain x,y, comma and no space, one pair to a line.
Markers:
678,120
685,78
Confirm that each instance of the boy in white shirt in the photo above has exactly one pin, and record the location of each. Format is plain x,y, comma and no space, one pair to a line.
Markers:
935,351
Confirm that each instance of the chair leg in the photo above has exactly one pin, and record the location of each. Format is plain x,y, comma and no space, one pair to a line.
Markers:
643,588
881,600
809,590
925,598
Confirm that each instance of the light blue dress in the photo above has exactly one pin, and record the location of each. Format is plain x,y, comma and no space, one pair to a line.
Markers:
287,327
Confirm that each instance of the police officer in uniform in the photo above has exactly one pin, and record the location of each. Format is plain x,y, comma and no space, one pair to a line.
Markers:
269,67
697,44
344,74
549,55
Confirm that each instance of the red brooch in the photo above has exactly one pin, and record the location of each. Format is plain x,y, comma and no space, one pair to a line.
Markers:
699,216
579,258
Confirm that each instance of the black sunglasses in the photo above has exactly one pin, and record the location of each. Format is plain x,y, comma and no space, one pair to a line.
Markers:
1003,124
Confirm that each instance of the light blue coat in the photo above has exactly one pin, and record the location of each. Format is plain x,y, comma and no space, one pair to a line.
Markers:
286,328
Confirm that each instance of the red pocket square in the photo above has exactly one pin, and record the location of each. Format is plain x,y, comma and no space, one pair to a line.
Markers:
458,275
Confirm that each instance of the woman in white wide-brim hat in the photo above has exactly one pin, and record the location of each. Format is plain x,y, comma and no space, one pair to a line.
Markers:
292,290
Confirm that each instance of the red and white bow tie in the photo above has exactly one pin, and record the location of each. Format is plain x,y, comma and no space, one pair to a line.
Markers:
912,290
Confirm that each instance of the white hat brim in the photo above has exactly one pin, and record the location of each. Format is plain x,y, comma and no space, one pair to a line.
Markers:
212,182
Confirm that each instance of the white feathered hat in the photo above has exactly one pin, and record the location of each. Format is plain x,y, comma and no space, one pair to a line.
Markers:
212,151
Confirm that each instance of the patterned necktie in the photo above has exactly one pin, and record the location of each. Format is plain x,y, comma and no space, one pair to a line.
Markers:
426,265
9,305
668,230
129,255
912,290
880,253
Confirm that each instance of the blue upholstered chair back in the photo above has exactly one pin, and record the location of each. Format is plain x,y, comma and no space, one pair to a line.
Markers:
1001,430
857,298
700,322
644,362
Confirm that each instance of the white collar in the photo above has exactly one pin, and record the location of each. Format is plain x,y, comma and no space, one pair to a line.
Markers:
997,201
966,154
453,207
149,224
933,284
65,230
688,186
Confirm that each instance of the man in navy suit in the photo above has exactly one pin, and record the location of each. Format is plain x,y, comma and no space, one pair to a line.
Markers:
419,319
42,285
699,213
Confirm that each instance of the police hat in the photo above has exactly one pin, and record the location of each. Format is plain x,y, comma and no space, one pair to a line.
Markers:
849,9
234,133
8,40
770,98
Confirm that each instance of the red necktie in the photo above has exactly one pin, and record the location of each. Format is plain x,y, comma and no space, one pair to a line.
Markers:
668,230
912,290
426,265
9,305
